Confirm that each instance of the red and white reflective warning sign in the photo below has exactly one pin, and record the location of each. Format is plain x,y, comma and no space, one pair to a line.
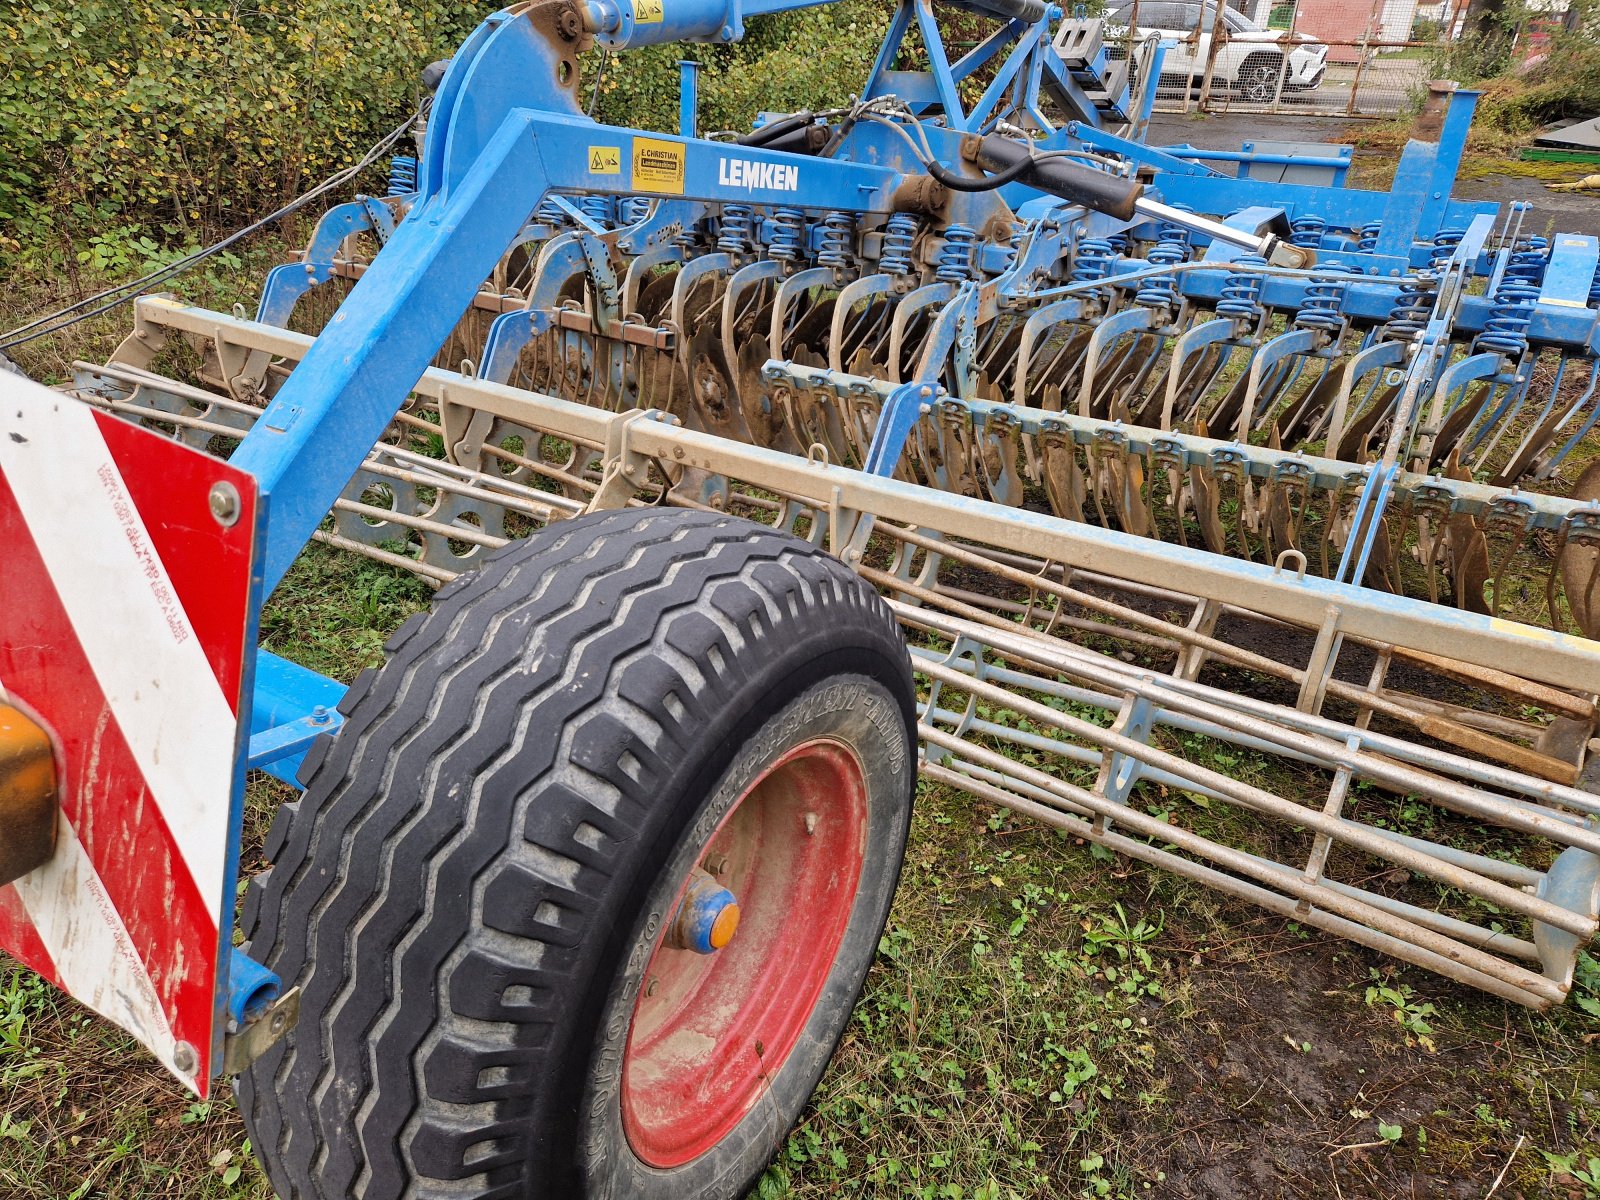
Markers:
126,607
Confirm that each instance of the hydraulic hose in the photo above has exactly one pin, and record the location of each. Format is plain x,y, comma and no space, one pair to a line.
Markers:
1014,162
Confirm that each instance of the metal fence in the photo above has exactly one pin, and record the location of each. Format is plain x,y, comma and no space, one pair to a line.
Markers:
1347,58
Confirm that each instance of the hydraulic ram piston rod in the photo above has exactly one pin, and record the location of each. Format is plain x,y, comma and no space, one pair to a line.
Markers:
1269,245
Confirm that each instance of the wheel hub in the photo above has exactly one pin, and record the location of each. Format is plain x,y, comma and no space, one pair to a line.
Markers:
717,1015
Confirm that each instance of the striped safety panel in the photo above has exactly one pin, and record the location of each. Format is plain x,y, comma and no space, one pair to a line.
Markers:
126,606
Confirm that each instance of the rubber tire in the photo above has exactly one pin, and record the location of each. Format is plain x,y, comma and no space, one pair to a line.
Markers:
461,888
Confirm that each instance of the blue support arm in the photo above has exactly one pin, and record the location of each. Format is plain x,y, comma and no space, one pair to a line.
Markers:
492,160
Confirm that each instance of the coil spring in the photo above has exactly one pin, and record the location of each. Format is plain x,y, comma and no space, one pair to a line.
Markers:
1367,239
549,213
1166,231
899,234
694,238
1507,330
1444,245
1160,291
1320,308
788,234
838,240
599,209
1528,261
733,236
402,175
1241,294
1594,289
1307,231
1019,235
1093,260
1412,308
634,209
955,256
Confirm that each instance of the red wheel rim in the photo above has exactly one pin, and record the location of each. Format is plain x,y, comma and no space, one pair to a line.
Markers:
709,1032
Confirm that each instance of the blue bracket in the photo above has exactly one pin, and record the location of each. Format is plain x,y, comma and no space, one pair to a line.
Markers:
688,97
291,706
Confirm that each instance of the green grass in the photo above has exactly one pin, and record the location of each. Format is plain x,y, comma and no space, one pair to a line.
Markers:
1043,1020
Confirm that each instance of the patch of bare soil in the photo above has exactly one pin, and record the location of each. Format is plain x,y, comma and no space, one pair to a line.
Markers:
1277,1081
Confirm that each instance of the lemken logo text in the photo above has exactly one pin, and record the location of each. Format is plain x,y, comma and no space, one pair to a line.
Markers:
774,177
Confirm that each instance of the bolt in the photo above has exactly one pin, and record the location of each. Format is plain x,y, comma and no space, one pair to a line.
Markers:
319,715
677,452
224,500
717,865
184,1058
650,988
278,1022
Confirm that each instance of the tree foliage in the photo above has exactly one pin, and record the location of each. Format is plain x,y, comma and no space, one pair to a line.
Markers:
1532,66
184,117
815,58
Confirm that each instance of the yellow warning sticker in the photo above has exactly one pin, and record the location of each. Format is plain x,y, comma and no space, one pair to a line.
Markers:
648,12
605,160
658,166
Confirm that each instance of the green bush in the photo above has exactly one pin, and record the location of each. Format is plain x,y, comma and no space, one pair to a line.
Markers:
1564,82
177,119
815,59
186,113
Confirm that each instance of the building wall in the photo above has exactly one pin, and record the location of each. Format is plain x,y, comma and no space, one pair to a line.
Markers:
1335,21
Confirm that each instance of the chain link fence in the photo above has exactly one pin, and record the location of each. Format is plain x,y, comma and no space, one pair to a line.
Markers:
1346,58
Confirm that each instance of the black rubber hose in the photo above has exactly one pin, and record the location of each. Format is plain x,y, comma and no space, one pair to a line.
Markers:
774,130
1099,190
807,140
1022,10
965,183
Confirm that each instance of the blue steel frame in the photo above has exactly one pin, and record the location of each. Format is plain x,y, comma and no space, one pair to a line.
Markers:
505,135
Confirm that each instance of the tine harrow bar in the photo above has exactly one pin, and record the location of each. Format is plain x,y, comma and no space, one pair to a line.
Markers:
1113,679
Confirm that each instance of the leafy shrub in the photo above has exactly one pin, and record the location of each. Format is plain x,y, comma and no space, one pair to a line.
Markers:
199,112
788,61
1564,82
185,117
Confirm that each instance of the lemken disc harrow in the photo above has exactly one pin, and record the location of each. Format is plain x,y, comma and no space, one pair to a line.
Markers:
1155,460
1131,487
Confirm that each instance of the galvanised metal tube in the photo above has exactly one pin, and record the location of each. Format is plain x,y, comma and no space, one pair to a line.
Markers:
1434,726
1083,755
1062,691
1461,931
1511,873
1443,949
1254,798
1274,724
1439,727
1464,931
